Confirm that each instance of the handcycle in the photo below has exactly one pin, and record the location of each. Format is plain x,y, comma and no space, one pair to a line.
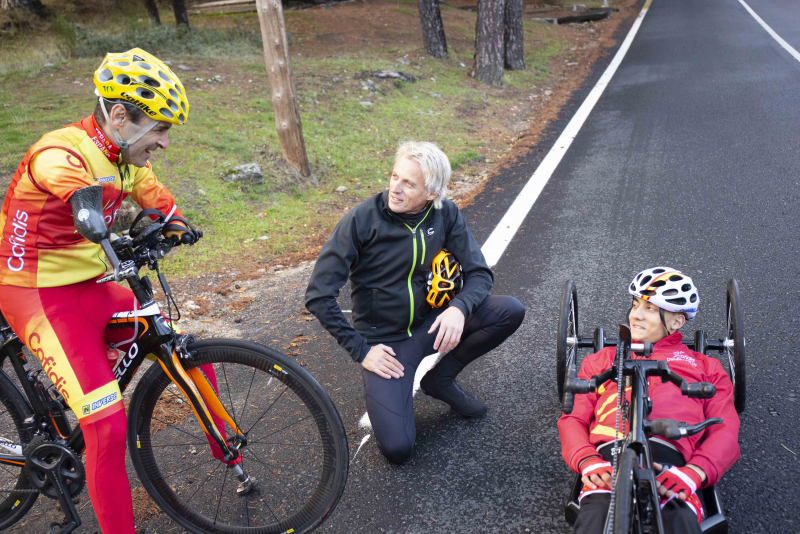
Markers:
635,501
266,450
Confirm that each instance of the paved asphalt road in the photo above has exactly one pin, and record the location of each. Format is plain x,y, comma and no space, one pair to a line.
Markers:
690,159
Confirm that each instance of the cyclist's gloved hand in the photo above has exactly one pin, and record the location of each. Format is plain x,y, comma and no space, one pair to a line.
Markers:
181,234
596,473
678,482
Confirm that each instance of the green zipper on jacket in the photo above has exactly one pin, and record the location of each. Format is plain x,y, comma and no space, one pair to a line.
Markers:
413,264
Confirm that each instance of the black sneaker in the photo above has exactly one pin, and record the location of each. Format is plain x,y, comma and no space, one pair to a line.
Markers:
460,401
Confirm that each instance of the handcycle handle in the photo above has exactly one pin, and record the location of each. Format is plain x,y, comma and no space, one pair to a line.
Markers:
574,385
699,390
674,430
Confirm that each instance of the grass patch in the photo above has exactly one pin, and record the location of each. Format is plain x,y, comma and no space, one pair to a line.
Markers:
231,120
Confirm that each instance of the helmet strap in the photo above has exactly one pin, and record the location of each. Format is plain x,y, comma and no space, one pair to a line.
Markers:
123,144
664,320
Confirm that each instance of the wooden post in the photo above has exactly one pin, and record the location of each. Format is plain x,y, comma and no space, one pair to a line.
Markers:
279,72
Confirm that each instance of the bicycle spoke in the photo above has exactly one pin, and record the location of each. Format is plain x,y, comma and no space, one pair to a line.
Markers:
191,467
249,389
267,410
271,443
220,495
230,399
283,466
175,427
204,482
288,426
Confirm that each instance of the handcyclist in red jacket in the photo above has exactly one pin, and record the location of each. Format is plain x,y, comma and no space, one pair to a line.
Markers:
48,271
663,300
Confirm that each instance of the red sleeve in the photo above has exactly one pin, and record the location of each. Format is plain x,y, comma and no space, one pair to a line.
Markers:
719,446
573,429
148,192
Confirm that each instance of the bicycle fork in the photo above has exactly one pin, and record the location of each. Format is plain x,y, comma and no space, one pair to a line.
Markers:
205,404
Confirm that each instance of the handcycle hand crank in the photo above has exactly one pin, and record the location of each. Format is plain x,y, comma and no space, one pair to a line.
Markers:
674,430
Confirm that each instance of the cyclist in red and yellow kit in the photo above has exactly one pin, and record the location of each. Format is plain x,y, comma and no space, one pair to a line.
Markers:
48,271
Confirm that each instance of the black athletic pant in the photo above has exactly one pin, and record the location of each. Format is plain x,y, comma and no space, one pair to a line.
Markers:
676,516
390,401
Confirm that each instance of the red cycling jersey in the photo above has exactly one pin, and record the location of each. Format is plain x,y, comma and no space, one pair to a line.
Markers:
39,246
592,420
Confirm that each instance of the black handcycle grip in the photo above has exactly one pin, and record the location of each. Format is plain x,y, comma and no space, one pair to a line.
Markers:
674,430
700,390
569,402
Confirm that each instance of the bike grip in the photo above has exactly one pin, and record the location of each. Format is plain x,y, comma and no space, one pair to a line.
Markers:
701,390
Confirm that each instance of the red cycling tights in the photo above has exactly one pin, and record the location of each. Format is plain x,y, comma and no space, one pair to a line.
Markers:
65,328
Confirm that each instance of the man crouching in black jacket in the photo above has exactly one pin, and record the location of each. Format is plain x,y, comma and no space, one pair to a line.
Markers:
386,245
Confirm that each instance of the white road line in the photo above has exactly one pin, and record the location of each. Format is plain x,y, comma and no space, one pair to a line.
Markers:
511,221
770,31
501,236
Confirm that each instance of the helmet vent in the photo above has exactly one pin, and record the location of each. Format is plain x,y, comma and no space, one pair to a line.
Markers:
670,292
675,278
163,76
181,118
679,301
686,287
658,283
646,279
121,63
123,79
145,66
693,298
658,271
633,287
183,106
172,105
167,113
147,80
174,94
648,293
105,75
144,93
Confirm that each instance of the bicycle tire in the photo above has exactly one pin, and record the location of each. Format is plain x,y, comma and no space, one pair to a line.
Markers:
233,362
736,354
13,411
567,327
623,493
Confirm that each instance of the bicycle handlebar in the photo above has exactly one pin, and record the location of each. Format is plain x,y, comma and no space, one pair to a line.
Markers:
674,430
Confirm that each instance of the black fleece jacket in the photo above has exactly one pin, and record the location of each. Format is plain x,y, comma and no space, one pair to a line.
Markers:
387,258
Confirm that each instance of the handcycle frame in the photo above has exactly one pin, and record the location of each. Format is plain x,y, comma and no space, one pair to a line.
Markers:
568,343
646,510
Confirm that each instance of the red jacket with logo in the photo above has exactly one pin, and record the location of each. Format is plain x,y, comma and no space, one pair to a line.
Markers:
593,418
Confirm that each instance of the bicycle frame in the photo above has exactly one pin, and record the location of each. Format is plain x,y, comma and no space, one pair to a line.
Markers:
154,337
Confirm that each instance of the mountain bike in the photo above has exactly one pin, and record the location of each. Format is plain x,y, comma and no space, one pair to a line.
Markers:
226,436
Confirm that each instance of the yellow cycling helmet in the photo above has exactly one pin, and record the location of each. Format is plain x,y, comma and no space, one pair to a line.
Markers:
144,80
445,280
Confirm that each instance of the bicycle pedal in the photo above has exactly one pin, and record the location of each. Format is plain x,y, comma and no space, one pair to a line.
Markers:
65,528
247,486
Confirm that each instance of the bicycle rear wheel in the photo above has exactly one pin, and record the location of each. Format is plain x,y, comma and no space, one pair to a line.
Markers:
16,494
296,444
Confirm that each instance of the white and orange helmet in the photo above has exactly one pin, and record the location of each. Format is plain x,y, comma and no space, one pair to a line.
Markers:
667,288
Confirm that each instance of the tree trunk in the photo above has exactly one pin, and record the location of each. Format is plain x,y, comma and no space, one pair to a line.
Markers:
152,12
34,6
279,72
488,66
181,16
515,57
432,28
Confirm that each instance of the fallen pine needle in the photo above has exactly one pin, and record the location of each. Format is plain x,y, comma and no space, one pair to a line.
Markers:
788,449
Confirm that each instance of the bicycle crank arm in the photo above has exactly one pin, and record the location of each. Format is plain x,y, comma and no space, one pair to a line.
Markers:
174,370
212,400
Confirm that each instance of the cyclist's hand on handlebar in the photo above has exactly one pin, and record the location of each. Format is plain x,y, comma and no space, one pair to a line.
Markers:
380,360
678,482
596,473
178,233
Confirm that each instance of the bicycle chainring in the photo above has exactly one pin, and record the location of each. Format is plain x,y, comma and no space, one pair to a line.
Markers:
47,460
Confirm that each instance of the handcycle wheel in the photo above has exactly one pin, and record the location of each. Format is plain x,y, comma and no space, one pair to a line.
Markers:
296,445
735,344
16,495
566,344
623,493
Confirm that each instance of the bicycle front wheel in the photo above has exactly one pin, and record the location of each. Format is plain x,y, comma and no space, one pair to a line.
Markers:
624,496
296,445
